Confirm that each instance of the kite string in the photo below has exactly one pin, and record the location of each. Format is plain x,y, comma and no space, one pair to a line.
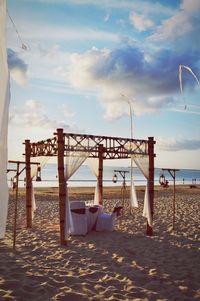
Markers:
24,47
181,86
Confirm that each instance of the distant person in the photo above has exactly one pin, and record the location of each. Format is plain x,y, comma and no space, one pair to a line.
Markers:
166,184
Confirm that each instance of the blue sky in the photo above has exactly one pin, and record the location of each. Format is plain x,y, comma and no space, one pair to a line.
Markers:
82,55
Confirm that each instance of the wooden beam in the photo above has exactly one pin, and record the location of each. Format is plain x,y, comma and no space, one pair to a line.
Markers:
21,162
16,205
28,184
100,174
62,184
151,142
114,147
8,170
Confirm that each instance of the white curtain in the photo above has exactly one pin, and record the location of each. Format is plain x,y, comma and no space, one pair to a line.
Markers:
4,110
142,163
42,161
133,196
94,167
72,162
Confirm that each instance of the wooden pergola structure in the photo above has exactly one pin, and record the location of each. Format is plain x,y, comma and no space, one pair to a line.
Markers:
101,147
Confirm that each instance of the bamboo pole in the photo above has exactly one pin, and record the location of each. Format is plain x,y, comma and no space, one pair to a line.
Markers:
123,192
62,184
172,172
149,229
18,172
100,174
28,184
15,210
174,202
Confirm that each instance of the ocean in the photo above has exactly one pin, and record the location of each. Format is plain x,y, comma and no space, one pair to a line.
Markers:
84,177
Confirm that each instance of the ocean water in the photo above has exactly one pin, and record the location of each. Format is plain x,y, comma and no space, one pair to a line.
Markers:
84,177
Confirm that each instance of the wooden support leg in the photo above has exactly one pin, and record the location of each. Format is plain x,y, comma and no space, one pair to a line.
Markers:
62,184
149,230
28,185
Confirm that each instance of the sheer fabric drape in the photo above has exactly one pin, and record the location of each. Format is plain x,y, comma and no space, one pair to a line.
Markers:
94,167
72,162
4,110
133,196
34,168
142,162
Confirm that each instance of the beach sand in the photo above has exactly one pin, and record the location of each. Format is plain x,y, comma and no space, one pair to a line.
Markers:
122,265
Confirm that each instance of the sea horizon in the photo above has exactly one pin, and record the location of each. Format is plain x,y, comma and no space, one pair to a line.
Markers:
84,176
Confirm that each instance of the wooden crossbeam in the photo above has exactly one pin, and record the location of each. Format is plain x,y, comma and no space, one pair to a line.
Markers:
114,147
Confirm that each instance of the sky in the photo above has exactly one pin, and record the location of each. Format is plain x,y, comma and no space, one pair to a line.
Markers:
84,64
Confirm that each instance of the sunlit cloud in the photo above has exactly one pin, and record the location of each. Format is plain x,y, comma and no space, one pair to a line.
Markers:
32,115
43,62
190,6
175,27
140,22
183,25
148,83
32,104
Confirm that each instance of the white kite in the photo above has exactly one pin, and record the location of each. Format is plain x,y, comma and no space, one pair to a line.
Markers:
180,77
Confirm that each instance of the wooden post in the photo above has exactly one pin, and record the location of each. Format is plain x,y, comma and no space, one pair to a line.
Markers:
62,184
100,174
123,192
174,202
28,184
172,172
16,203
149,230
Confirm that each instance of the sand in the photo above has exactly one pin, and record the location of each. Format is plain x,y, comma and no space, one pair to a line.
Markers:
122,265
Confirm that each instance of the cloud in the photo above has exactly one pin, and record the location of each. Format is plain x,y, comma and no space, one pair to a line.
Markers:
140,22
182,28
67,112
18,68
34,105
190,6
171,144
32,115
176,27
57,33
147,73
150,80
46,62
155,7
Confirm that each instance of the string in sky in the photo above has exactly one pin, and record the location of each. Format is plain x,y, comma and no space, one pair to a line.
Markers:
23,45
